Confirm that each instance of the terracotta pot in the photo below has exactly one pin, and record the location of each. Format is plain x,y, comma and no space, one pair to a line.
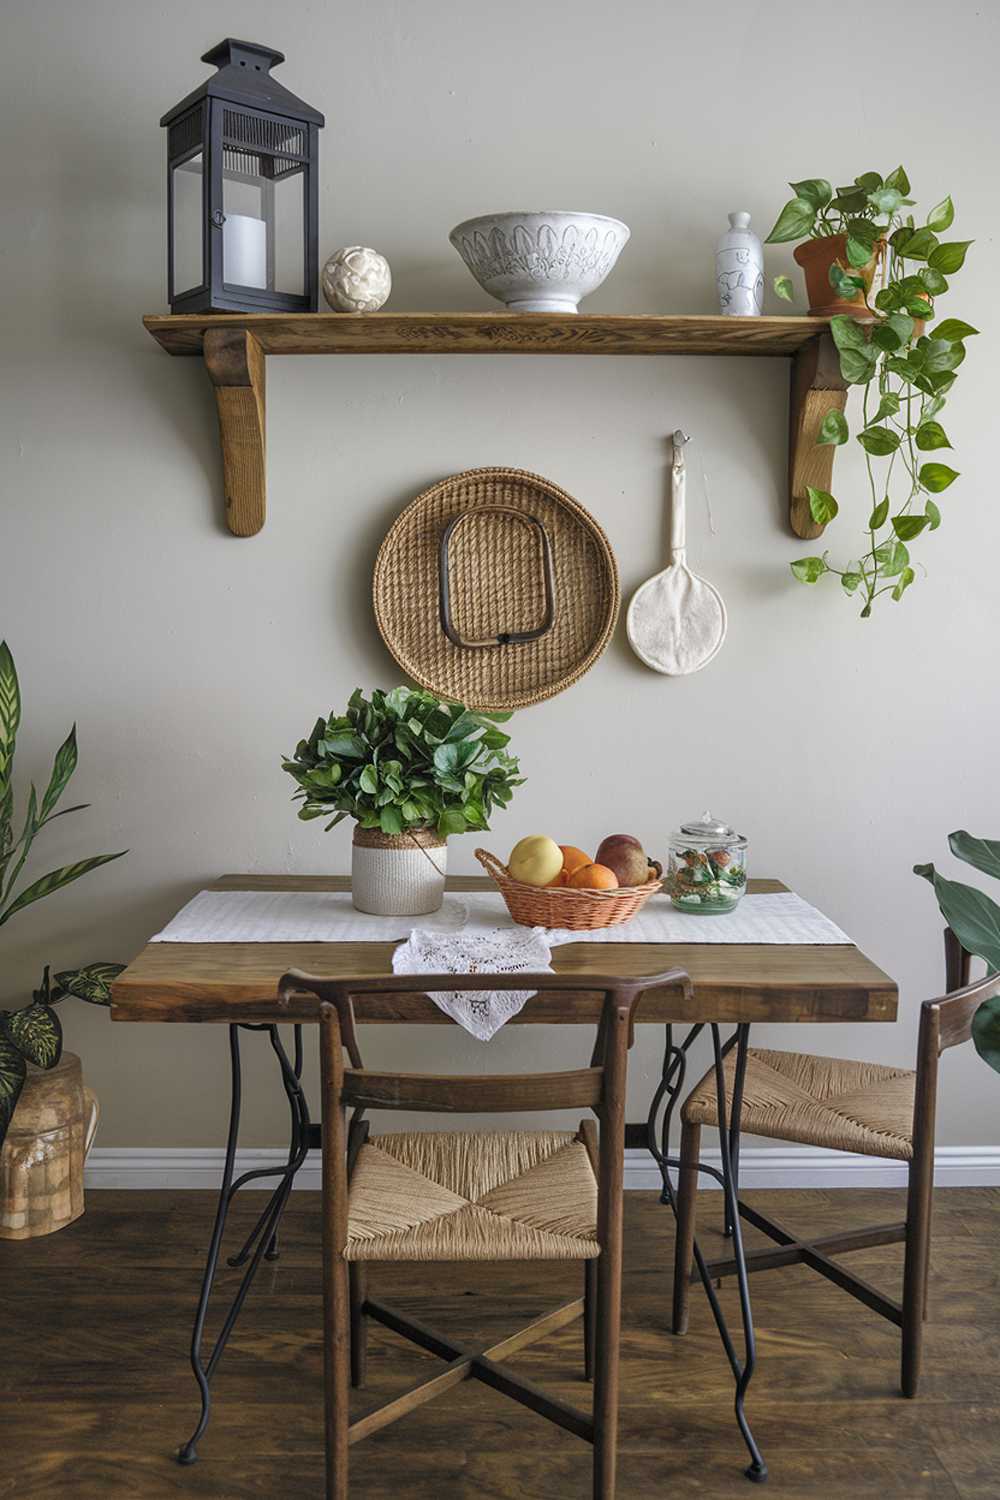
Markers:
816,257
41,1164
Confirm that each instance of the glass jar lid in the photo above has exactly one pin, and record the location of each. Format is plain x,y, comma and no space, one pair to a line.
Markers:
710,830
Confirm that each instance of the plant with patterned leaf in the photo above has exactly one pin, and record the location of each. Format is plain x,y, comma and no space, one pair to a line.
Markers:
405,760
905,374
974,918
33,1034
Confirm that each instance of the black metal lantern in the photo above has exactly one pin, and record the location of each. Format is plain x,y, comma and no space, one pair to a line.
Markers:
242,191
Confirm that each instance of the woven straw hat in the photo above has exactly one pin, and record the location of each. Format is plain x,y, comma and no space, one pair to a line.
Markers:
496,567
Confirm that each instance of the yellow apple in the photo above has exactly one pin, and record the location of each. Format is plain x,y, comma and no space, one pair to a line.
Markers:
536,860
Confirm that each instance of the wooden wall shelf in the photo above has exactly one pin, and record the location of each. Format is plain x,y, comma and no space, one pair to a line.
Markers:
234,347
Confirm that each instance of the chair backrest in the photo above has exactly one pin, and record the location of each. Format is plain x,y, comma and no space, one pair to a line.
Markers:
478,1093
600,1087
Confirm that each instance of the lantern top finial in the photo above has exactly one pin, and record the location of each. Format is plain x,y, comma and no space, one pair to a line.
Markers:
244,77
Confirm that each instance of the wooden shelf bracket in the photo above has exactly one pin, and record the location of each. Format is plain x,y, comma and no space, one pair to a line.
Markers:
235,363
817,389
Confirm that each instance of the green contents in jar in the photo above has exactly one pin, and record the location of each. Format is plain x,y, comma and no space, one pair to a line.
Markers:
709,881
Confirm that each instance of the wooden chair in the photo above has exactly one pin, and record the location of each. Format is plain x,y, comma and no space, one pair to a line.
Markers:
851,1106
495,1196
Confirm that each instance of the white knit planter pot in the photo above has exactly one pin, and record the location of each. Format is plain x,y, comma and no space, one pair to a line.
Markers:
398,876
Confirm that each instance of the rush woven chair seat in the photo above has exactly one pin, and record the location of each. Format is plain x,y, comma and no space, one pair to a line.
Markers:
477,1196
515,1195
817,1101
846,1106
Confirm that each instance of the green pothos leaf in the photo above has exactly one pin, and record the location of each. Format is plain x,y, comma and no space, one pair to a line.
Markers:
783,288
12,1073
36,1032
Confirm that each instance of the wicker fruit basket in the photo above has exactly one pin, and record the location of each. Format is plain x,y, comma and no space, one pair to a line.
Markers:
556,906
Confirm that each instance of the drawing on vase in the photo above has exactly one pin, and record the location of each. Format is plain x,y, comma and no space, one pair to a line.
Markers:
739,270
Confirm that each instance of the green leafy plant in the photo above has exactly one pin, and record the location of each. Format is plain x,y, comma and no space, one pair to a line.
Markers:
974,918
405,760
40,811
904,373
33,1034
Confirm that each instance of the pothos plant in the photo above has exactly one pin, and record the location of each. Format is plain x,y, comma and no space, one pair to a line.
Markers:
33,1034
974,918
905,374
403,760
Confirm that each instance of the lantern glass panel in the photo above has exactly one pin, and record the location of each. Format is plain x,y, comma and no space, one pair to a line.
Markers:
263,200
187,196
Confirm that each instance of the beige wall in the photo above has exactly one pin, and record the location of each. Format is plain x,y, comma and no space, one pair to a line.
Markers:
191,660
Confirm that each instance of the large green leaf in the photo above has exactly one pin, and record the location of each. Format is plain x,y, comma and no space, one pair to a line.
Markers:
54,881
794,222
986,1032
972,916
982,854
936,477
36,1032
62,769
814,190
949,257
12,1074
91,983
822,506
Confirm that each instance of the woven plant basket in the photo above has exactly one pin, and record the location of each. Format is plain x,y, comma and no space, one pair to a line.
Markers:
496,586
555,906
398,875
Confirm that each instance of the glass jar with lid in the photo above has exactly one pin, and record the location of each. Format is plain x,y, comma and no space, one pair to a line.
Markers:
707,872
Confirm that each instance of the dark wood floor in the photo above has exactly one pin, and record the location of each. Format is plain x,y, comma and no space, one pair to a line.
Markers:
95,1390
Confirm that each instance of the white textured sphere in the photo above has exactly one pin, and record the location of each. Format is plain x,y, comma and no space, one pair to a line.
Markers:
356,280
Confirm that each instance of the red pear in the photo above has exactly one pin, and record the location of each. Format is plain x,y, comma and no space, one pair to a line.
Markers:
625,855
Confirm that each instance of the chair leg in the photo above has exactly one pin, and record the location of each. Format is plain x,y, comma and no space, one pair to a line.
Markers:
358,1289
338,1390
606,1365
687,1188
589,1316
918,1234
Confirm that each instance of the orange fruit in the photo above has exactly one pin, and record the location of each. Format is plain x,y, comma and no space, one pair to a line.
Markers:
573,859
592,877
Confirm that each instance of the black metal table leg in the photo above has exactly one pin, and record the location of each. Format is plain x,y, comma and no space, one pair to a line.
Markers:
264,1234
669,1088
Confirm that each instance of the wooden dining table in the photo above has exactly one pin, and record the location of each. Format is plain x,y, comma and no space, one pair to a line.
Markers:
734,984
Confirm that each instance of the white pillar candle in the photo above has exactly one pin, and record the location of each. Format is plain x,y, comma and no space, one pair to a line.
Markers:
244,251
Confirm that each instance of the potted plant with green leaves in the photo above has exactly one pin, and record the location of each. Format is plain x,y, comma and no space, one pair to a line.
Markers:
31,1043
410,768
974,918
905,373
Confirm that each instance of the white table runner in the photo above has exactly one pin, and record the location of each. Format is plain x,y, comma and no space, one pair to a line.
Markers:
329,917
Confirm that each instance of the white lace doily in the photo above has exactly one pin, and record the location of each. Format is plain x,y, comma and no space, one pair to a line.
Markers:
481,1012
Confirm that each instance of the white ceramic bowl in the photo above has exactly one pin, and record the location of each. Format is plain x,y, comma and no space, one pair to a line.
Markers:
540,262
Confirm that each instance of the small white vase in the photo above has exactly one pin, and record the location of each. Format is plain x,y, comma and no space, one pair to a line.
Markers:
739,270
398,875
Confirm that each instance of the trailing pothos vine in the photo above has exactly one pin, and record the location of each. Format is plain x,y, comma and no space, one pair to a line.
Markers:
906,373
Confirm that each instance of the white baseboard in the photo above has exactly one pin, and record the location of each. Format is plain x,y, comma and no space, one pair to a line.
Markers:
760,1167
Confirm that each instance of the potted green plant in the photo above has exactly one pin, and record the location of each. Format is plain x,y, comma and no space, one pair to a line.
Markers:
974,918
31,1037
411,769
905,374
